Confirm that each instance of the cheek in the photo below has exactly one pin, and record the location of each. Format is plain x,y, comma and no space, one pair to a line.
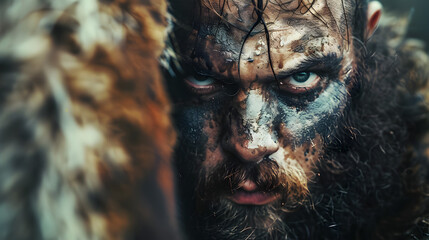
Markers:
300,159
199,131
192,139
213,151
308,155
320,117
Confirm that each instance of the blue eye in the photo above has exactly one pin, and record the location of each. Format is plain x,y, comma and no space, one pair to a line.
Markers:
300,82
203,85
203,81
303,79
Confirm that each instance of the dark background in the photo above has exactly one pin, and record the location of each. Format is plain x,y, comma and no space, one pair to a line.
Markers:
419,27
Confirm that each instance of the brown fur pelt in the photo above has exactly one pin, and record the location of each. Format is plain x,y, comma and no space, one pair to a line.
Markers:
85,137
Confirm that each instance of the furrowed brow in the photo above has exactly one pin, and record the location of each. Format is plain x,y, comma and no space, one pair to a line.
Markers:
330,63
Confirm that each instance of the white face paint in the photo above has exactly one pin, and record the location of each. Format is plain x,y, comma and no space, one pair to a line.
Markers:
284,118
318,116
258,119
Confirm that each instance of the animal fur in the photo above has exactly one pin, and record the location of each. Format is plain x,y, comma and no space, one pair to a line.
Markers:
85,137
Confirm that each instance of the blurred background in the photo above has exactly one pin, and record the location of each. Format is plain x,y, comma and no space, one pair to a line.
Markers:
419,26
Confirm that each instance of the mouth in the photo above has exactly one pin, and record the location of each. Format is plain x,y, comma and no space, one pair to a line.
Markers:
249,194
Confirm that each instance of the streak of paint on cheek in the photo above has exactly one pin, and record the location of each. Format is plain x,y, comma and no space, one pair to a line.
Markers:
319,117
214,152
258,119
192,138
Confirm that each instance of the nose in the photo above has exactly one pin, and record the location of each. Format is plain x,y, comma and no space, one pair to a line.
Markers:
254,147
250,136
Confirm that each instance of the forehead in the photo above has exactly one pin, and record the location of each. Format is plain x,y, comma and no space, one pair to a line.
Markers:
240,13
230,30
277,13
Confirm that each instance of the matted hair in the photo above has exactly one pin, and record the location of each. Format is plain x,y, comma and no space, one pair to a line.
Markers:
354,11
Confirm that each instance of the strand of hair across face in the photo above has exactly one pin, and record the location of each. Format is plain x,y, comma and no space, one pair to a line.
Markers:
347,23
259,8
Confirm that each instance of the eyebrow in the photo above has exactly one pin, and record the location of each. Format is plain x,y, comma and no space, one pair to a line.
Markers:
327,64
330,63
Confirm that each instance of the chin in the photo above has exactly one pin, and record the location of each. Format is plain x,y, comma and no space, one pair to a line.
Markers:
225,219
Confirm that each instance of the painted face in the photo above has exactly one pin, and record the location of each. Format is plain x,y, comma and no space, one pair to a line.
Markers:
266,85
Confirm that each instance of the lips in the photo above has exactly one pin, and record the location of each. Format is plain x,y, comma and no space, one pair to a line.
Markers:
249,194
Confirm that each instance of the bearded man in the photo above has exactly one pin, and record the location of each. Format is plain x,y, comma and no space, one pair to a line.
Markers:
296,122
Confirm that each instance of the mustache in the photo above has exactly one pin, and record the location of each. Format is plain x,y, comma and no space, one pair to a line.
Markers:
269,176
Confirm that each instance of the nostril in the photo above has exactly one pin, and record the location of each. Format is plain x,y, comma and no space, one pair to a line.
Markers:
249,140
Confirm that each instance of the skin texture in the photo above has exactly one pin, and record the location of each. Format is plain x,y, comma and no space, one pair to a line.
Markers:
269,118
264,156
249,118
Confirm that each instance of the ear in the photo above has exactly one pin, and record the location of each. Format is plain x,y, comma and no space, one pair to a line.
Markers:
373,17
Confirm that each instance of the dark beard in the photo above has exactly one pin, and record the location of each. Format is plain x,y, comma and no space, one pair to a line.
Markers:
227,220
220,218
346,199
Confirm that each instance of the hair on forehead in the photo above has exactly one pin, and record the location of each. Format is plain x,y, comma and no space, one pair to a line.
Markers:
353,18
351,25
295,6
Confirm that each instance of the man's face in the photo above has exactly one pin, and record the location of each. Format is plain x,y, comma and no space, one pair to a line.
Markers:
260,107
